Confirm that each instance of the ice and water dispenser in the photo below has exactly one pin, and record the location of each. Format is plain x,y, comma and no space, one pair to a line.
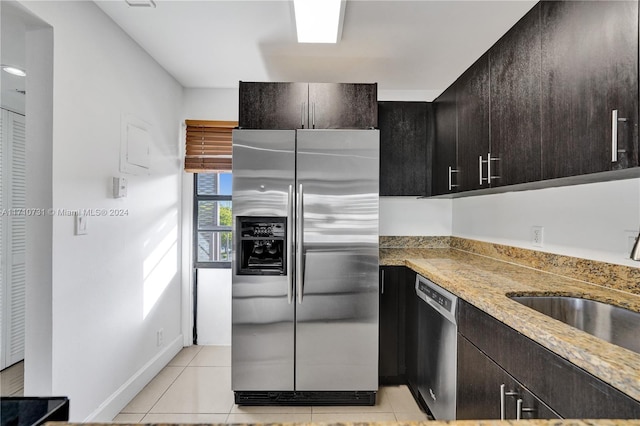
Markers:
262,247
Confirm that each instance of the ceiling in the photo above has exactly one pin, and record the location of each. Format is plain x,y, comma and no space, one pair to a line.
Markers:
418,45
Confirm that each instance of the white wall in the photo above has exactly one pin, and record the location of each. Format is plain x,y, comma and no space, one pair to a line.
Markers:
214,307
113,289
211,104
411,216
592,221
38,371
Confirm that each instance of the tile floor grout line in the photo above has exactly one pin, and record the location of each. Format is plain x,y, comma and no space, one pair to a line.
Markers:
165,391
184,367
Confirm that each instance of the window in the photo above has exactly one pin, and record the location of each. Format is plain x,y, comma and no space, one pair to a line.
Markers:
212,220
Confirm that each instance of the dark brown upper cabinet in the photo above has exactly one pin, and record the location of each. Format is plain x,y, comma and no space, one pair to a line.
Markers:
445,161
406,145
542,103
277,106
284,106
343,106
589,70
515,103
472,104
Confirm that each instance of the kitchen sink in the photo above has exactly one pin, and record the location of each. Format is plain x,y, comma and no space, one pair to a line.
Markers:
614,324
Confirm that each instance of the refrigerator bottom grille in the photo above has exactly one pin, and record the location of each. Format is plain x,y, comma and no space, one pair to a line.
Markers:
305,398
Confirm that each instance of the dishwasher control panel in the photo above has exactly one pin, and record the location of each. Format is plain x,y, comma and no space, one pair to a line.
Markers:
436,296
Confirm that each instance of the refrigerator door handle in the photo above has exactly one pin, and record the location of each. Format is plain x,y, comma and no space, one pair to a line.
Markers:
290,246
299,245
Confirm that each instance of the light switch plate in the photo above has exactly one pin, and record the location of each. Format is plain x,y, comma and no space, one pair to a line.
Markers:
119,187
81,224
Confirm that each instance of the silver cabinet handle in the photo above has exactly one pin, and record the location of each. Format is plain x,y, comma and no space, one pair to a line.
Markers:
451,171
503,395
382,286
502,402
290,244
489,160
520,410
489,168
614,135
299,244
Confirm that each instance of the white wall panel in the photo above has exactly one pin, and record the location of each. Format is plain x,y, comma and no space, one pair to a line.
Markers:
415,216
592,221
214,307
100,298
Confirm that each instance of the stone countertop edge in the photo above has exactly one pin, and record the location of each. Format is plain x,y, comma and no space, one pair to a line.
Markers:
555,422
486,283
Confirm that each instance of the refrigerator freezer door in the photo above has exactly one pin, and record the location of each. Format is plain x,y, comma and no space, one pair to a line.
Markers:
262,309
337,318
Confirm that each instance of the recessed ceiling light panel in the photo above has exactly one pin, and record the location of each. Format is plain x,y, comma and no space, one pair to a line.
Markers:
319,21
14,70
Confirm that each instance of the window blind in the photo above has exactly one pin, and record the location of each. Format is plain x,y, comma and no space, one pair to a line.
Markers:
208,146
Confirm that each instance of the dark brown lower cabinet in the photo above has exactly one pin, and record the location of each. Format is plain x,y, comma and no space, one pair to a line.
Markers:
566,389
391,354
411,332
398,337
486,391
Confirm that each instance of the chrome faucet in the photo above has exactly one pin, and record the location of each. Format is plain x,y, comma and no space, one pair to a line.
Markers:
635,252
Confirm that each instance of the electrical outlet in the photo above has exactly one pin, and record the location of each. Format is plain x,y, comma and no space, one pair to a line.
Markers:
537,236
160,337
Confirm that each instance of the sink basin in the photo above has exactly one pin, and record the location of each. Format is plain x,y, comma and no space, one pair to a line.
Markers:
608,322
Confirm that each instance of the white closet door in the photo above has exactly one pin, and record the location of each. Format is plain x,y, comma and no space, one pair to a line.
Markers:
13,236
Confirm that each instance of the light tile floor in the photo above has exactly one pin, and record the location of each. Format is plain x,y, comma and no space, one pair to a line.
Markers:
195,387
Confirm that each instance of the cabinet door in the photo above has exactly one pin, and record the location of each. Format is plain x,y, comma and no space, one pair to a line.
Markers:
472,102
273,106
404,148
411,332
589,69
343,106
480,383
445,164
389,342
515,103
570,391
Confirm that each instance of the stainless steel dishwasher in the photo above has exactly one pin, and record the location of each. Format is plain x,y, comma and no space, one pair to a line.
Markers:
437,348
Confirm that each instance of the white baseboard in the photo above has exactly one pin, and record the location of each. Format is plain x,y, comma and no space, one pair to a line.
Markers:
112,406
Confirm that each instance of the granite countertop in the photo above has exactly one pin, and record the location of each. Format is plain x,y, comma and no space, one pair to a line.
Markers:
486,283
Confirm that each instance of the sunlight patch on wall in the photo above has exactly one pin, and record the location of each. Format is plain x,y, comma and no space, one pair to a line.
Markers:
159,268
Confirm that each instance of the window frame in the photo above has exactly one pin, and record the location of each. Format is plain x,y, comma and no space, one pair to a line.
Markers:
196,199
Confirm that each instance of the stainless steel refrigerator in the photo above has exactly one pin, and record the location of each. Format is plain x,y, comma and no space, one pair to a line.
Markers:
305,267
